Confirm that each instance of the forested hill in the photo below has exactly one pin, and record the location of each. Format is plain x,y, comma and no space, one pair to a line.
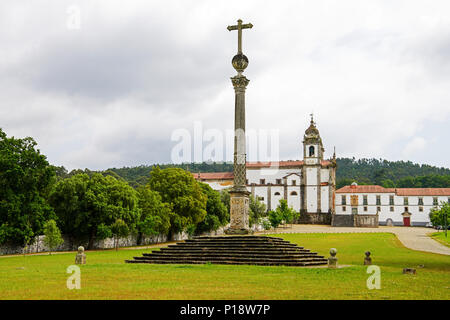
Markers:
390,174
399,174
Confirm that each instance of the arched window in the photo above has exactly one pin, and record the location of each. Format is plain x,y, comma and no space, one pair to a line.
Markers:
311,151
293,193
276,193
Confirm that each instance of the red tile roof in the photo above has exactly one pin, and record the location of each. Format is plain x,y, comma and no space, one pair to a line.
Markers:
423,191
282,164
397,191
365,189
213,175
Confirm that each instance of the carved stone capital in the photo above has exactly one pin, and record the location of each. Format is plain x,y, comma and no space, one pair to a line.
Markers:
240,82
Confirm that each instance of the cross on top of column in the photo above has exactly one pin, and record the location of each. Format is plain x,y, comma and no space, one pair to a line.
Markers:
239,28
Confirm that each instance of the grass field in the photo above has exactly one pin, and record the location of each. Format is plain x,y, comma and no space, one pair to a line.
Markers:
106,276
440,236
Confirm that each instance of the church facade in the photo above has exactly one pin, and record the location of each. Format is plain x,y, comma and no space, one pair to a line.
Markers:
308,185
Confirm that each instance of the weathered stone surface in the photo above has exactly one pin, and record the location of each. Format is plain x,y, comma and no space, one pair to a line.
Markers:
409,271
367,259
81,256
332,260
253,250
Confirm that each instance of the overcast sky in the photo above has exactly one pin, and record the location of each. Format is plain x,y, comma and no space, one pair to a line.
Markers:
376,75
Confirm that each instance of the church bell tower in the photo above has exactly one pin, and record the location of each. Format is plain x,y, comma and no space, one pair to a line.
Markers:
312,145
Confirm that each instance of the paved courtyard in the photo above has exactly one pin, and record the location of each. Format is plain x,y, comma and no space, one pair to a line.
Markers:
412,237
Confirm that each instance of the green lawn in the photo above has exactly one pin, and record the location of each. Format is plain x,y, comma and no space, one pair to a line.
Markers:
440,236
106,276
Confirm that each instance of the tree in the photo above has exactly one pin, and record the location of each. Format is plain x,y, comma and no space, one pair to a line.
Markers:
25,181
275,218
119,229
52,235
441,216
216,212
155,214
179,188
285,212
266,224
257,210
87,206
225,198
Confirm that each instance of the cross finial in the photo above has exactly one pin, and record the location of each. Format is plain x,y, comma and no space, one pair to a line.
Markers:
239,28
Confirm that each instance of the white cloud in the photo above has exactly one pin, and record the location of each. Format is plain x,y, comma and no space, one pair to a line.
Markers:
110,94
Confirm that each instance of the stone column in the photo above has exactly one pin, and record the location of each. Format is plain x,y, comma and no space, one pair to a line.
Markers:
239,195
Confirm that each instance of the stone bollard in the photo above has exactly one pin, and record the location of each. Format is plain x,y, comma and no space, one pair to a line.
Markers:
81,256
332,260
409,271
367,259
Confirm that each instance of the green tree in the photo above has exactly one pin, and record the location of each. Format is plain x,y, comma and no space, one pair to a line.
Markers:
275,218
119,229
257,210
285,212
225,198
155,215
25,181
441,216
179,188
83,203
216,212
52,234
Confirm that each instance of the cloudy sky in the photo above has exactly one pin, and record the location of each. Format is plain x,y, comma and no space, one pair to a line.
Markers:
102,84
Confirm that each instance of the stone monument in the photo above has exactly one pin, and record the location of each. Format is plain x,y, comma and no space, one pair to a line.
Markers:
239,195
332,260
367,259
81,256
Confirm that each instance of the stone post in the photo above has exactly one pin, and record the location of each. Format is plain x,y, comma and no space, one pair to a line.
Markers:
239,195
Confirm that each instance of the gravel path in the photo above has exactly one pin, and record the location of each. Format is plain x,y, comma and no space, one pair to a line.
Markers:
412,237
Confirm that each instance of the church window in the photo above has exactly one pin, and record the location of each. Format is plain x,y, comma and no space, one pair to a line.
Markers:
293,193
406,209
294,182
278,181
261,198
311,151
420,203
343,200
344,208
355,210
277,193
365,208
435,201
420,209
262,181
365,201
391,200
405,200
378,209
378,200
392,209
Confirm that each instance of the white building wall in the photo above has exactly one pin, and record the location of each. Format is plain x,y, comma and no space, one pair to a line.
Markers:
418,218
325,205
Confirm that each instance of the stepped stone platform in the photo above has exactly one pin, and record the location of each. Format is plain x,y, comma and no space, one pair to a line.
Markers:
240,250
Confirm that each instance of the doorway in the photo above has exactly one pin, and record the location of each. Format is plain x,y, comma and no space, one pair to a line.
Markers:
406,221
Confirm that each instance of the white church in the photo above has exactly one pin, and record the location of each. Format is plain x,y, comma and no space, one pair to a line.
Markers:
308,185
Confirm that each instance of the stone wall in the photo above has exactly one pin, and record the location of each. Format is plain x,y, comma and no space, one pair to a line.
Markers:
314,218
366,220
342,220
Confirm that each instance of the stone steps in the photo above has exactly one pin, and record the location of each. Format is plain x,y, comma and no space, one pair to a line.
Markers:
240,250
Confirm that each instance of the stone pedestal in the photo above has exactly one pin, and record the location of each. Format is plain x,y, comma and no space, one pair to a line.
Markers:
81,256
239,211
332,260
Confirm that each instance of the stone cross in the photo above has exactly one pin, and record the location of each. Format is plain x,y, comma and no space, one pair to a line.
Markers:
239,28
239,195
81,256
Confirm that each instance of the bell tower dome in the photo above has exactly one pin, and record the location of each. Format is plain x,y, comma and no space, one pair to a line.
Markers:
312,145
